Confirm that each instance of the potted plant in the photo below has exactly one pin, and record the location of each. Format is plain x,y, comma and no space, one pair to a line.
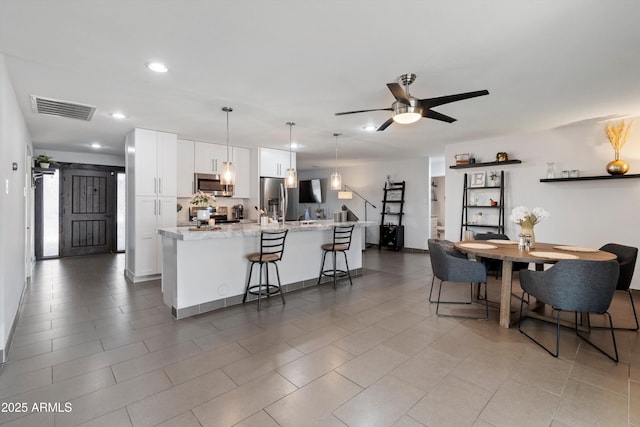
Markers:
45,161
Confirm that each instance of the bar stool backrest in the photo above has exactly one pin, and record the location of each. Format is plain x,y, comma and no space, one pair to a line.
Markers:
272,245
342,237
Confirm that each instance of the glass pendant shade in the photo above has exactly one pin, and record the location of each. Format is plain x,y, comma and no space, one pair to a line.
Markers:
336,181
291,180
228,174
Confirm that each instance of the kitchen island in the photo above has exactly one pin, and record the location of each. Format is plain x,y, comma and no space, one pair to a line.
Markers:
205,270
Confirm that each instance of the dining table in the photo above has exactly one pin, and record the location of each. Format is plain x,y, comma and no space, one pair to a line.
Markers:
508,251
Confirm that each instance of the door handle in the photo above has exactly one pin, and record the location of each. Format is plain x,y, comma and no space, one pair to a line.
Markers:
155,207
159,208
155,185
160,185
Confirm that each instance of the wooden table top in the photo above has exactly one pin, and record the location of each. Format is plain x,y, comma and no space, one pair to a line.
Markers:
510,252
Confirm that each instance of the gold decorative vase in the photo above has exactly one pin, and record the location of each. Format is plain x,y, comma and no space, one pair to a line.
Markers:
526,231
617,166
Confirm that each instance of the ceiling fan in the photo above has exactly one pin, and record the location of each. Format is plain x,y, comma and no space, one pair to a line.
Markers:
408,109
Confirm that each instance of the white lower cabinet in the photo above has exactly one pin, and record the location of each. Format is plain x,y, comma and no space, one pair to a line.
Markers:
151,213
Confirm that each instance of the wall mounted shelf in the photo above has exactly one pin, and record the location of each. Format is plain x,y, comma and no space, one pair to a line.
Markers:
482,165
590,178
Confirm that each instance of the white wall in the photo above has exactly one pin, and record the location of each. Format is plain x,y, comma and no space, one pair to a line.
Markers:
83,158
368,180
14,138
583,213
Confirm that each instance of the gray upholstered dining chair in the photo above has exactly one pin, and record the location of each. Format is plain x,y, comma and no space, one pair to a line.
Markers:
573,285
451,266
627,256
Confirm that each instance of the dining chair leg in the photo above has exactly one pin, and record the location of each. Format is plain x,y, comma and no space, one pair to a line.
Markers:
633,307
522,331
615,357
433,279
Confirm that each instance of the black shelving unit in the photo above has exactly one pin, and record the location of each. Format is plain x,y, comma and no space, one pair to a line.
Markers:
391,228
467,192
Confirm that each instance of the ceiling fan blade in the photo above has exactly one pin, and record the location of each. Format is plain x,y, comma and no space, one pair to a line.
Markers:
385,125
437,116
364,111
434,102
398,93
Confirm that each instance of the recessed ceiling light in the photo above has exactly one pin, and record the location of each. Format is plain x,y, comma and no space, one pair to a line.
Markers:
95,145
369,128
295,145
119,116
157,67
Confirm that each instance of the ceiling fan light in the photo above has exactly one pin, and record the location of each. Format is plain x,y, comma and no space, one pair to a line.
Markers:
406,118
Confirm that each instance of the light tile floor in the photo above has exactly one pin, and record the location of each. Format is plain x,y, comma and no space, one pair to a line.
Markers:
371,354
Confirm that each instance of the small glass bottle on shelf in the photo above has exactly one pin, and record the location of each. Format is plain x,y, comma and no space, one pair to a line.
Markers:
551,171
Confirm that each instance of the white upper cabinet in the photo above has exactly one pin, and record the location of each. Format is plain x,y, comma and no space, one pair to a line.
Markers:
274,163
155,163
186,156
242,164
209,157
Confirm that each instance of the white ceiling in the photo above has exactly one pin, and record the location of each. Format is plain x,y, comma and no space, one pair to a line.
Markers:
546,63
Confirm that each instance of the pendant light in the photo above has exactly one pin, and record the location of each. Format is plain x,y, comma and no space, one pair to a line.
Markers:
336,178
228,175
291,179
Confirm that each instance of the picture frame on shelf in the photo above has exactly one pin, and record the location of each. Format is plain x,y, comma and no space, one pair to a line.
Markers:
478,179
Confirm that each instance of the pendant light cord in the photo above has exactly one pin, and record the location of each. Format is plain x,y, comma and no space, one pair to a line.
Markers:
336,135
227,110
291,124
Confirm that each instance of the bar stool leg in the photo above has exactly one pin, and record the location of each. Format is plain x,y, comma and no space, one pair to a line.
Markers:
347,264
324,257
334,269
266,286
246,292
260,286
279,283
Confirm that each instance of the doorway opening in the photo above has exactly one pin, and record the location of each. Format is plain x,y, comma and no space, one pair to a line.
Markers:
79,210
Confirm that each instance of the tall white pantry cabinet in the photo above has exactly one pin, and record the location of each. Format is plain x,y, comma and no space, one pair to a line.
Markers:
152,188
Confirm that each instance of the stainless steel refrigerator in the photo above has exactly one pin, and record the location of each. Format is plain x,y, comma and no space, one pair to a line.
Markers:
272,191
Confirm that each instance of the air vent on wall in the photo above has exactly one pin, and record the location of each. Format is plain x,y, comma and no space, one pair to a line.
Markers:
56,107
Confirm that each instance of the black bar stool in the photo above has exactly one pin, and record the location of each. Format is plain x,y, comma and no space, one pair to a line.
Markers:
271,249
341,243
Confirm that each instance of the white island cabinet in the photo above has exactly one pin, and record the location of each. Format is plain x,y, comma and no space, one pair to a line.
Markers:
208,270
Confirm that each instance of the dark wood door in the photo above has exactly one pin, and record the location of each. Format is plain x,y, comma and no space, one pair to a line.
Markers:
88,212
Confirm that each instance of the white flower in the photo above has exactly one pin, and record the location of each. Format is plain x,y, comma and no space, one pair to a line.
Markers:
521,215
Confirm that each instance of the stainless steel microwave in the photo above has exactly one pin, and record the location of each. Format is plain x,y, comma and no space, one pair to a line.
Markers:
211,184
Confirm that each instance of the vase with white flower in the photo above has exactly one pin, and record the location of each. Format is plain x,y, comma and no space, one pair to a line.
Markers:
522,216
204,201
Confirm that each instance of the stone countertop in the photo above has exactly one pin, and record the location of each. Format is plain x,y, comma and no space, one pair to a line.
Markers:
253,229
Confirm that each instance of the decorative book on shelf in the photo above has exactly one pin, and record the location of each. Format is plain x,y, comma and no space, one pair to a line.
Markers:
391,228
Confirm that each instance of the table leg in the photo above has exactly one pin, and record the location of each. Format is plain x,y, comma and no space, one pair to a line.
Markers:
505,294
